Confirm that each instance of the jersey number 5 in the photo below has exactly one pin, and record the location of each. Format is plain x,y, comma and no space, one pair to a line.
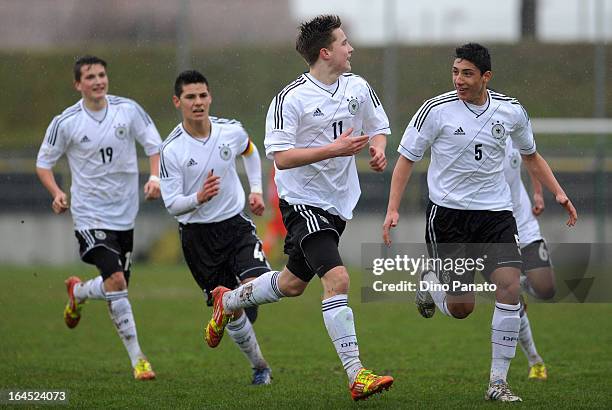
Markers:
478,152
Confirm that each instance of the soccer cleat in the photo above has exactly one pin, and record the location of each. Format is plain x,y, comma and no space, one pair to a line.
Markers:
72,311
143,370
538,372
216,325
499,390
262,376
367,383
424,302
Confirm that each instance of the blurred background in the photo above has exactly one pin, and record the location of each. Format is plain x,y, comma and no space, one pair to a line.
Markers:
553,55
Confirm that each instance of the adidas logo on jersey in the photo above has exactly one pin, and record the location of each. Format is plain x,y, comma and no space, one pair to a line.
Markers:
192,162
85,139
459,131
318,113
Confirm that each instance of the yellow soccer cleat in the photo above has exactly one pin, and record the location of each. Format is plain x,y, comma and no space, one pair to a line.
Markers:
216,326
367,383
72,311
143,370
538,372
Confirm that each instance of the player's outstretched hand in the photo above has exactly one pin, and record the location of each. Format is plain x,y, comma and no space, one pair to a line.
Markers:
152,190
565,202
256,203
60,203
210,188
347,145
538,204
378,162
390,222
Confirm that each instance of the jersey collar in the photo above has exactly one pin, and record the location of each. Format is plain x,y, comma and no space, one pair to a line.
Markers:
320,87
486,108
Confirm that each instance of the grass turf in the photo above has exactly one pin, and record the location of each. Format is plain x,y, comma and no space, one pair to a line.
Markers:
436,363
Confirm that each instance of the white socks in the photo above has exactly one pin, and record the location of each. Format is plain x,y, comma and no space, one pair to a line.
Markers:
242,333
260,291
121,314
439,296
504,337
526,341
338,318
92,289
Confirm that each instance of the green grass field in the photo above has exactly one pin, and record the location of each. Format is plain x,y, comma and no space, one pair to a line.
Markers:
437,363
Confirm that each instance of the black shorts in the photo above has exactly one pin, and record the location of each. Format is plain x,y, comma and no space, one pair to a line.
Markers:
535,255
489,239
110,251
302,222
223,253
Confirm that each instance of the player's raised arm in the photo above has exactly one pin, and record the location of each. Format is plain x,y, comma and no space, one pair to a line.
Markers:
252,166
343,146
542,172
151,189
401,176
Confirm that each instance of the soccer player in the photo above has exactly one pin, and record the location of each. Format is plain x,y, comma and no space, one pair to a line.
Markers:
97,135
537,276
201,189
470,210
314,127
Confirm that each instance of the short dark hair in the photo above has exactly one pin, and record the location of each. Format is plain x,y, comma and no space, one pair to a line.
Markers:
476,54
188,77
315,35
86,60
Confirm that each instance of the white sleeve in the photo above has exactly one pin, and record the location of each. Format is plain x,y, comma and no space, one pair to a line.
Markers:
143,128
419,135
53,146
281,125
521,133
375,119
252,166
171,184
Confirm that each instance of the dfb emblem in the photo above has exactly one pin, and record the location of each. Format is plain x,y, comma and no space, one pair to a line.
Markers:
120,131
515,160
225,152
101,235
353,106
498,131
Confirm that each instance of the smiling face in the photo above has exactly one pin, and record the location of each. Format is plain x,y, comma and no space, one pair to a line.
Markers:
194,102
339,52
93,84
470,83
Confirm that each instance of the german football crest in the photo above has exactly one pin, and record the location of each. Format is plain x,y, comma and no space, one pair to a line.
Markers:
120,131
225,152
353,105
515,160
498,131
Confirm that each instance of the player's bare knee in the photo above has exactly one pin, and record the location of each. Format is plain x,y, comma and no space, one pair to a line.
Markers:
461,310
544,291
336,281
115,282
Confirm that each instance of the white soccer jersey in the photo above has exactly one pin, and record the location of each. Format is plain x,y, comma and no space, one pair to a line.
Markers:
467,149
526,222
186,162
308,114
102,159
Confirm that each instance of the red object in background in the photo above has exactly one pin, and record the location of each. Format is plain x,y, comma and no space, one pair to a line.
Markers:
275,229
